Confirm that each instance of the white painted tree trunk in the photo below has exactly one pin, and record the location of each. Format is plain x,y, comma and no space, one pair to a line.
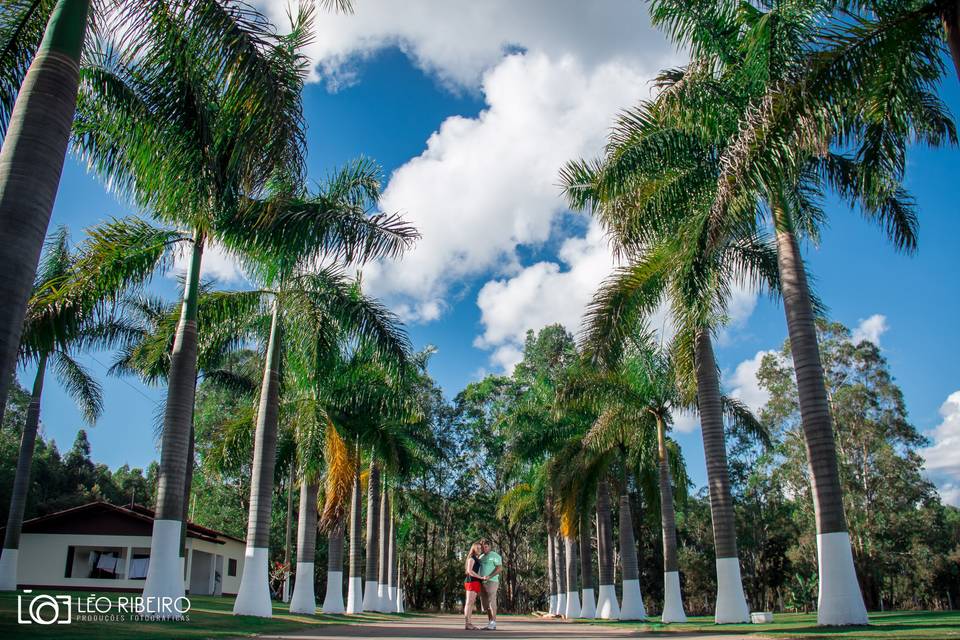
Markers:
371,601
553,604
840,601
607,606
731,602
253,598
333,601
588,607
672,599
304,599
8,569
166,578
632,606
355,595
561,604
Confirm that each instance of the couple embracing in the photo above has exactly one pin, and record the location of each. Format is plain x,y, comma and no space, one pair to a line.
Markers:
482,569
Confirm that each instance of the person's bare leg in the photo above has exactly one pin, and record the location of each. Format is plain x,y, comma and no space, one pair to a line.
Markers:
468,610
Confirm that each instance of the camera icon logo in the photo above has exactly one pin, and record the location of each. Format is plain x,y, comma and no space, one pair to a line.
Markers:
44,609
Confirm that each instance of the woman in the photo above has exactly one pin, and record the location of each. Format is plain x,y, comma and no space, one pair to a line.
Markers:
472,583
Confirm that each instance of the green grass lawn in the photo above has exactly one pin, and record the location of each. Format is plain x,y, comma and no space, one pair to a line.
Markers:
209,618
898,625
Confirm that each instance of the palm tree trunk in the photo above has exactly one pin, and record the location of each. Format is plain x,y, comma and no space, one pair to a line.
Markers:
253,598
632,607
165,574
951,28
394,569
333,602
731,604
21,484
607,606
287,534
841,601
588,605
304,597
355,579
672,599
573,595
551,573
370,595
561,569
383,577
187,488
31,161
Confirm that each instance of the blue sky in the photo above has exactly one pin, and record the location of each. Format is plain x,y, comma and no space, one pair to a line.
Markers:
470,119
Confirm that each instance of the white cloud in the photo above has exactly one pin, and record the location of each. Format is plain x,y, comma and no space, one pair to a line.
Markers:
217,264
943,457
542,294
743,383
686,421
486,186
870,329
458,40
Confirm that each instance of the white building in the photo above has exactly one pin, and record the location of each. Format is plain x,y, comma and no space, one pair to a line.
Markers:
105,547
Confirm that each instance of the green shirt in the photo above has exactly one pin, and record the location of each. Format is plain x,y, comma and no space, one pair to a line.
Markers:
489,563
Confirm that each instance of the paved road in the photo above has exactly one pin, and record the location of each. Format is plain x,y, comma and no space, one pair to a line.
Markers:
508,628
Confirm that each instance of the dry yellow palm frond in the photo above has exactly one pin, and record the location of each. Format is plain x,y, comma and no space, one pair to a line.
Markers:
340,469
568,515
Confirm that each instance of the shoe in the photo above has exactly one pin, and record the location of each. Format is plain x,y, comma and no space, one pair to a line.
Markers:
491,626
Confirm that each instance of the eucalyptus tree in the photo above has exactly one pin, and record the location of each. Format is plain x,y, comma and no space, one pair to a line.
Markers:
43,54
56,327
788,98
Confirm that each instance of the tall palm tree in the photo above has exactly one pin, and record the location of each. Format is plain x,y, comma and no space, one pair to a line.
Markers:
54,330
607,606
653,190
355,581
371,572
136,129
588,604
383,571
40,71
774,136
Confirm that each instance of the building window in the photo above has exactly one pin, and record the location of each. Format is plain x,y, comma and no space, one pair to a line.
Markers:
98,563
231,567
69,571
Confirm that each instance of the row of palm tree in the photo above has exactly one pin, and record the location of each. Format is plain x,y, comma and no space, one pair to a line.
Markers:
586,428
779,103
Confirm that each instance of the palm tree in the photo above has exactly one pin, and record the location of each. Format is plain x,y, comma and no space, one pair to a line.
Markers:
137,132
355,581
55,328
607,606
588,604
40,71
785,107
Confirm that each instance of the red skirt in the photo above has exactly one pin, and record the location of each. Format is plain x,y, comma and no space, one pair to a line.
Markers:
472,586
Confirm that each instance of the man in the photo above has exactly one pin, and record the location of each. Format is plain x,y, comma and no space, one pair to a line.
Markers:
491,564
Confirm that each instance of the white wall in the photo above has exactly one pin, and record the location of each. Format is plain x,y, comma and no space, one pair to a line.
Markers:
43,560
